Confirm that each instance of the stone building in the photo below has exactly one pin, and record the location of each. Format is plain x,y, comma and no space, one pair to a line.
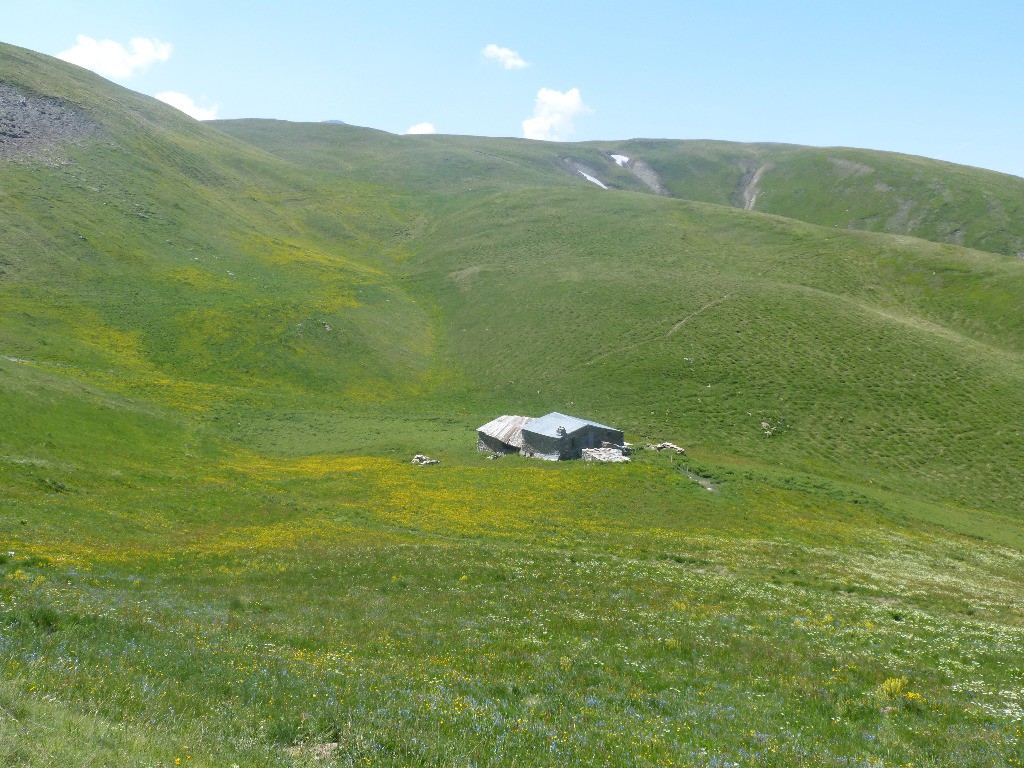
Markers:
502,435
553,437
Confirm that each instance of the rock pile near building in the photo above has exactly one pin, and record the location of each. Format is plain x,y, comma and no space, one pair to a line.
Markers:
667,447
605,454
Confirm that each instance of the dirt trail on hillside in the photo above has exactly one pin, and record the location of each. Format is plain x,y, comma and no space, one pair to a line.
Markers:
720,300
683,321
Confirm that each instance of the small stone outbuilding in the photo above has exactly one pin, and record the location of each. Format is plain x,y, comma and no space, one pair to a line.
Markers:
502,435
554,437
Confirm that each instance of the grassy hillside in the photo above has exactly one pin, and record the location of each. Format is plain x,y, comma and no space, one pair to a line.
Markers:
833,186
437,164
216,361
848,189
895,362
177,251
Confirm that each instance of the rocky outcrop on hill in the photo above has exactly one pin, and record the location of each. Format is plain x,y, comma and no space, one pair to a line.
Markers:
35,127
667,447
605,454
647,175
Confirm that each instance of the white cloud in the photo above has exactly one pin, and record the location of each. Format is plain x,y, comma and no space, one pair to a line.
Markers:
189,107
508,58
111,59
553,114
419,128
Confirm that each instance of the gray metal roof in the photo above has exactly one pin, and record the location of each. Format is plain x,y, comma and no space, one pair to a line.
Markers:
548,425
508,429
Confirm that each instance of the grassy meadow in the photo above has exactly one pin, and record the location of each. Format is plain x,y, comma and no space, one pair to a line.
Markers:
220,347
837,187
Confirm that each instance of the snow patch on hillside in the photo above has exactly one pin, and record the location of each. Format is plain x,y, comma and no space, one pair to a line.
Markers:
588,177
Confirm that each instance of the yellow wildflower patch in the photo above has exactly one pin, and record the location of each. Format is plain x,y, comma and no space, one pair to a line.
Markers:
267,468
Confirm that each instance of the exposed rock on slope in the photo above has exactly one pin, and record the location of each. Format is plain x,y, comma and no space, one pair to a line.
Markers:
584,170
746,194
35,126
647,175
640,170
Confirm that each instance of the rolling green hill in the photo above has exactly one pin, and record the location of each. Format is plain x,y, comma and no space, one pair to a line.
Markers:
848,189
834,186
219,347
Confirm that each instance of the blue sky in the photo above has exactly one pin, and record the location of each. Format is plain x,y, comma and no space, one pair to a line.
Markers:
941,79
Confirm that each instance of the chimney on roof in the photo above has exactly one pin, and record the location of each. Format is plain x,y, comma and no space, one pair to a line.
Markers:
560,431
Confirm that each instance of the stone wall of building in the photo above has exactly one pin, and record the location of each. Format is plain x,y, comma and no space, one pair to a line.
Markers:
568,446
543,446
489,444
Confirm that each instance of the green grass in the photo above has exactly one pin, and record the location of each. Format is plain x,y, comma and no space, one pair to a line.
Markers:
837,187
412,633
215,363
